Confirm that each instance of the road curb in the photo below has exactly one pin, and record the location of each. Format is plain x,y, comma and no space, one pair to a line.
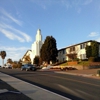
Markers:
83,75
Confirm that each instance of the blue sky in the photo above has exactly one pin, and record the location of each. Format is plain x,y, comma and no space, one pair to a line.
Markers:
68,21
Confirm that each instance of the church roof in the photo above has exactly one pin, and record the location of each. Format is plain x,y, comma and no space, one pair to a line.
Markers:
26,53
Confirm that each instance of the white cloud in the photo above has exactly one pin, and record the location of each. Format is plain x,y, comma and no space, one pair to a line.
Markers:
87,2
79,10
98,39
42,4
75,4
66,3
26,37
10,17
93,34
4,19
10,34
15,53
14,48
72,4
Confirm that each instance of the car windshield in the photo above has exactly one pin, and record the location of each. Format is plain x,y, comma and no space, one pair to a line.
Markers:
29,65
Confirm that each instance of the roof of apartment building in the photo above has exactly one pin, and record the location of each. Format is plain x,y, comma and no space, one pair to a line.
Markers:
77,44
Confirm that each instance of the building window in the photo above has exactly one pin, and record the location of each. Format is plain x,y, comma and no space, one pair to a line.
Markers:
72,49
63,51
63,59
83,56
82,46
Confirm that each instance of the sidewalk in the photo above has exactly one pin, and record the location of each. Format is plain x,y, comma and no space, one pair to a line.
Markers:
32,91
90,73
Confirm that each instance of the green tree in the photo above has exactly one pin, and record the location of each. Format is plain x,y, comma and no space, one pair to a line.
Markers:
49,50
20,61
88,51
36,60
14,64
3,55
95,49
9,60
19,64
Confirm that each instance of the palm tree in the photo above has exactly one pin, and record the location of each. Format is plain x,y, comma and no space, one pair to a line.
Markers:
3,55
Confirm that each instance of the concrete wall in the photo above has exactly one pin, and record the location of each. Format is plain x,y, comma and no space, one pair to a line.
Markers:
78,67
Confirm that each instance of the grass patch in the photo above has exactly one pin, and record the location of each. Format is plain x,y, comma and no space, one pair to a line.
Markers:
85,63
64,64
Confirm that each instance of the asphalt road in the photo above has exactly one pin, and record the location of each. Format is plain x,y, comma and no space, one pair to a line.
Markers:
73,87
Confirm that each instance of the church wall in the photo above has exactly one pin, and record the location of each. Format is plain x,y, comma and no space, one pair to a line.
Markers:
36,46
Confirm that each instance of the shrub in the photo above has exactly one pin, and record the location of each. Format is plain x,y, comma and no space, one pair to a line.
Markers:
84,63
76,59
97,59
98,72
84,60
14,65
58,63
19,65
91,59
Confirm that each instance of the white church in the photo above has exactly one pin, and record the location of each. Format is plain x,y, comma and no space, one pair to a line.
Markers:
35,49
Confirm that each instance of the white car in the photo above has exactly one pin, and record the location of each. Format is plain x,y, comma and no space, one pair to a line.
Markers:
8,66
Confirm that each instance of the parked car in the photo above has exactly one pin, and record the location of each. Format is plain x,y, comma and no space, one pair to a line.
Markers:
28,67
8,66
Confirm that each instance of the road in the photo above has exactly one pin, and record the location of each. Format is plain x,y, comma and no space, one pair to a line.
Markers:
71,86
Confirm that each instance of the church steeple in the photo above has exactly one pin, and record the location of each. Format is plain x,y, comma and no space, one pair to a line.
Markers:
38,35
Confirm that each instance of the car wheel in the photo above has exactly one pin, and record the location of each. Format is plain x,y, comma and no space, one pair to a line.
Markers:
33,69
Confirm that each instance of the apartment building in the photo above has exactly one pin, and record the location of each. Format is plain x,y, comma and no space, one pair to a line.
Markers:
74,51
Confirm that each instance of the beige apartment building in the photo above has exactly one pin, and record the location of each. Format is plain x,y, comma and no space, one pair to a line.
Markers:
77,49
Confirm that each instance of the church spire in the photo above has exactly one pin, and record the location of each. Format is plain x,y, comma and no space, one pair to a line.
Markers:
38,35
